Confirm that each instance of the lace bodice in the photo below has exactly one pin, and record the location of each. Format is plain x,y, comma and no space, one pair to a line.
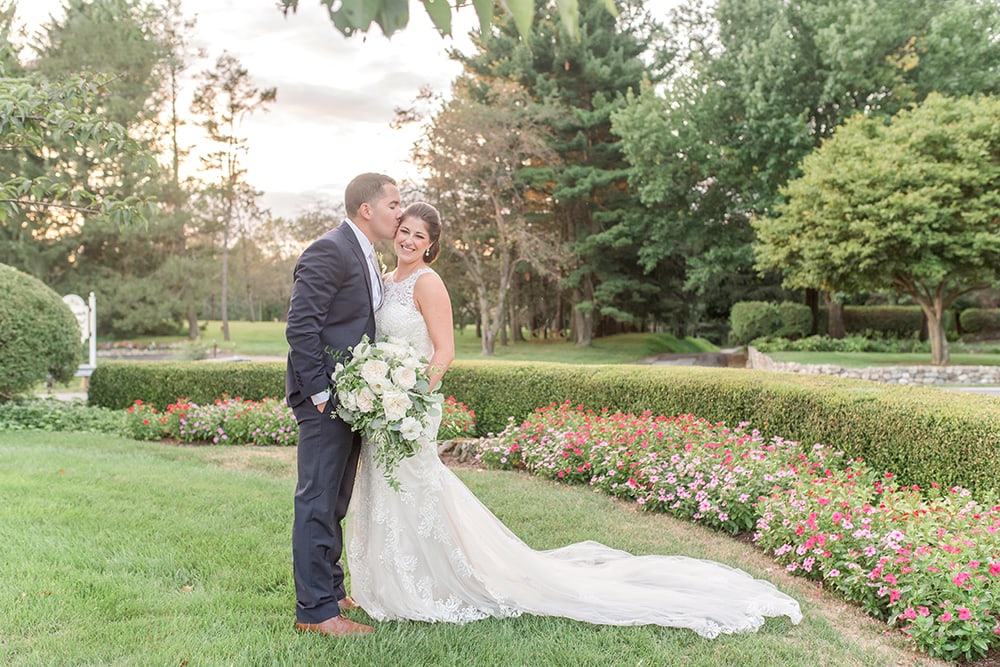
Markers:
399,318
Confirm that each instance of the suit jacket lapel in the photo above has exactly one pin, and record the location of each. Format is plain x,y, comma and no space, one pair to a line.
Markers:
360,255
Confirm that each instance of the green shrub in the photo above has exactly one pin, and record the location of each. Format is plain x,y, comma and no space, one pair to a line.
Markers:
849,343
51,415
117,384
796,320
39,336
980,320
888,321
922,435
752,319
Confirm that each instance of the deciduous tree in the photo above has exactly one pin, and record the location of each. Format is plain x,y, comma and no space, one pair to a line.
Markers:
912,205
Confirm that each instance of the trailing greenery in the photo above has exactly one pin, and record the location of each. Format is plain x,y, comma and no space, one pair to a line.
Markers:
923,435
39,336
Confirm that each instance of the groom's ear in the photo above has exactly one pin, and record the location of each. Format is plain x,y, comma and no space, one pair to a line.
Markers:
365,210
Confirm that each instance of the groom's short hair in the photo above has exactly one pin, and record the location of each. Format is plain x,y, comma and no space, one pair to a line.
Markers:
364,188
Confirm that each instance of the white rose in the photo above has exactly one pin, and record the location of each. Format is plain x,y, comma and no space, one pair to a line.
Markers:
411,428
374,372
392,348
361,350
337,370
404,377
395,403
365,400
348,400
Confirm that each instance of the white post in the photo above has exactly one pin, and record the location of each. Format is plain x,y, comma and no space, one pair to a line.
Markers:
92,302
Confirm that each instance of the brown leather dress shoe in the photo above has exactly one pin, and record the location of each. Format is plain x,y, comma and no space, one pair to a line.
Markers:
338,626
347,604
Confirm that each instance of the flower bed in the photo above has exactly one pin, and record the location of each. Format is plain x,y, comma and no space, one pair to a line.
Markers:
235,421
927,562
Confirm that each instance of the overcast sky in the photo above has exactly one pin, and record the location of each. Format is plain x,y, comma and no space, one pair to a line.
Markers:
336,95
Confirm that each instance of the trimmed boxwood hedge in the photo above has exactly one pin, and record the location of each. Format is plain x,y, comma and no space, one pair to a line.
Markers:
118,384
923,435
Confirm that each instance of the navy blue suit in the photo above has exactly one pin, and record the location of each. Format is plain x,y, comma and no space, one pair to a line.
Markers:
330,310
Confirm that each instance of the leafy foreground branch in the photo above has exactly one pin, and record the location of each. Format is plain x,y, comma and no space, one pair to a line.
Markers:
924,561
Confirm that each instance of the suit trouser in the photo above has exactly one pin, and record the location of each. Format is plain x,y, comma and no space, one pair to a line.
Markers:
327,463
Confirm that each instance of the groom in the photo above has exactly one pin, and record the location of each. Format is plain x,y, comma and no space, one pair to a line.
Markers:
335,293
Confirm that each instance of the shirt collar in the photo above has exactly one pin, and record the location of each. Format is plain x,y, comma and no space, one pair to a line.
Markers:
366,246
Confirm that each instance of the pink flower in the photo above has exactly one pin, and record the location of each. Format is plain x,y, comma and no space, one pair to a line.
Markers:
964,614
945,617
923,611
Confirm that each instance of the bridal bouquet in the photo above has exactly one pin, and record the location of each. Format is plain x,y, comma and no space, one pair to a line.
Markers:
384,393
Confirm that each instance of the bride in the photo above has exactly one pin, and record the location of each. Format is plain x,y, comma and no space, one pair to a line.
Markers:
433,552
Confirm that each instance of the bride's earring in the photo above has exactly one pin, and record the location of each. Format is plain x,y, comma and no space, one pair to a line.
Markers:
427,253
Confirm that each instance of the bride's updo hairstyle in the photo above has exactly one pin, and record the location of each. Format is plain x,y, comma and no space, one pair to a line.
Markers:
432,219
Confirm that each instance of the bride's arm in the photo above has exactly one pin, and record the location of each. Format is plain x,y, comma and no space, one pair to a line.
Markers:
432,300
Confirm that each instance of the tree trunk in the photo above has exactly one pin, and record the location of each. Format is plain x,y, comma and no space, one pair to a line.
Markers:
934,312
583,319
192,317
835,311
812,300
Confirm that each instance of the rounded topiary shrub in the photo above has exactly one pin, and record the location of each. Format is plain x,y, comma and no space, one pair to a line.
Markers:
39,336
981,321
752,319
796,320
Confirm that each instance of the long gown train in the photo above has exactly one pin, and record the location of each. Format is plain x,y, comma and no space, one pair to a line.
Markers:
434,552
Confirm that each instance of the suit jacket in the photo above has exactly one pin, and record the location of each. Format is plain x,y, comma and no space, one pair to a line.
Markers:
330,310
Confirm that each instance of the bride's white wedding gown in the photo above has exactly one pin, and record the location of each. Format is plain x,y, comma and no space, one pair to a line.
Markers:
434,552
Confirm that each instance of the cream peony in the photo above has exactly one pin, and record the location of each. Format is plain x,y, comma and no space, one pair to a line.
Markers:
404,377
375,373
395,403
366,400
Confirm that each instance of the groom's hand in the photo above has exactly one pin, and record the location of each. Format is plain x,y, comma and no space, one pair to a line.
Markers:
321,406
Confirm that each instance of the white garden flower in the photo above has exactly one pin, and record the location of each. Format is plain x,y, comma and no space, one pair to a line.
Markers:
375,373
404,377
410,428
348,399
366,400
395,403
362,349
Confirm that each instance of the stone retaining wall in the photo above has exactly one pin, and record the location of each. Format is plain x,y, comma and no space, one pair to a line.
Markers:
912,375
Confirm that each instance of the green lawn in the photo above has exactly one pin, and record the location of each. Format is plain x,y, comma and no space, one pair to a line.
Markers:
116,552
865,359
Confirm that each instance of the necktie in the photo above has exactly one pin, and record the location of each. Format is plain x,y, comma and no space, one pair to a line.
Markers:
376,280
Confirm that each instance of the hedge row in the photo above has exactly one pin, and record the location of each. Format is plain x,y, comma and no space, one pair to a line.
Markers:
923,435
118,384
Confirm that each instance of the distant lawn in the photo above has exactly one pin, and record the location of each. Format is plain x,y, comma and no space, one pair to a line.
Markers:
268,339
865,359
116,552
